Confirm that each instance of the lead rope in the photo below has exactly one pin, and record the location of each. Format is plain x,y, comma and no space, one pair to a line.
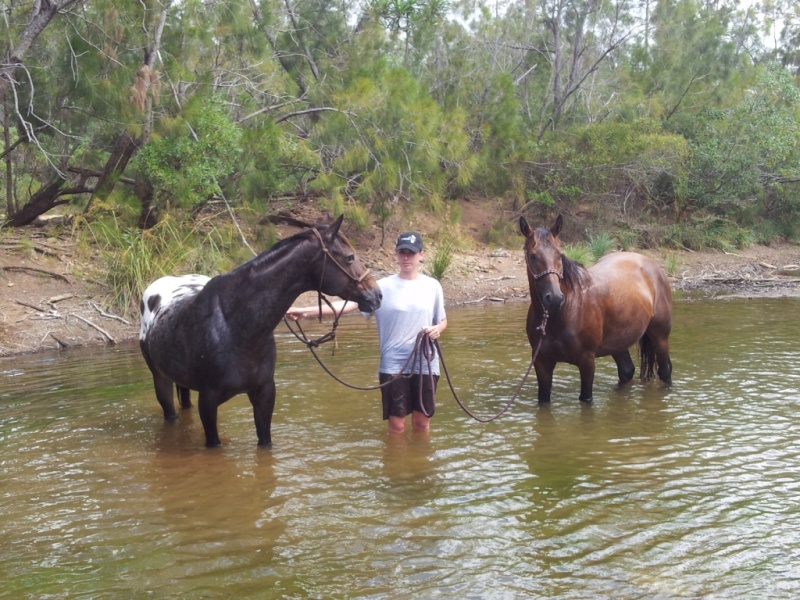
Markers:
422,352
541,329
312,344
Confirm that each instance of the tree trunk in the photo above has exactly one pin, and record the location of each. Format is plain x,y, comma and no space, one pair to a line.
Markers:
39,203
11,206
124,149
148,217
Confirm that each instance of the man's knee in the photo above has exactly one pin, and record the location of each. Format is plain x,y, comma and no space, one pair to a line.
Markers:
397,424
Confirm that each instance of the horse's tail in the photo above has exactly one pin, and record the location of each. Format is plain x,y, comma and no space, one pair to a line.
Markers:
647,358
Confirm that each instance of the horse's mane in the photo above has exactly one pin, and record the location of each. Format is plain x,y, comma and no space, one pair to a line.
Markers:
574,272
278,248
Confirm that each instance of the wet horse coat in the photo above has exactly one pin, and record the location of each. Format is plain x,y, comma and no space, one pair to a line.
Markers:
215,335
622,299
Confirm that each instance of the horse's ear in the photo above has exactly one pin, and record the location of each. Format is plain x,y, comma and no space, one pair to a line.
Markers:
333,228
556,228
524,228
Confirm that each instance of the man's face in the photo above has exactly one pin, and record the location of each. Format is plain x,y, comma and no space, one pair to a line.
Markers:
408,260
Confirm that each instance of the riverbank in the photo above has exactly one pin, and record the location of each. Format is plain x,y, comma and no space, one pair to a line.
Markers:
52,301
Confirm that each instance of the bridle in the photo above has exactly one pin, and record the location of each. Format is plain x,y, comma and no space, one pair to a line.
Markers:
331,335
537,277
327,254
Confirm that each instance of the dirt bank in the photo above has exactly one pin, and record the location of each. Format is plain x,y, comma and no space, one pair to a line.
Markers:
49,302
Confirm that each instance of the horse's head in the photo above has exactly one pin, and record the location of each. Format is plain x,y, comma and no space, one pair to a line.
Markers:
341,273
543,257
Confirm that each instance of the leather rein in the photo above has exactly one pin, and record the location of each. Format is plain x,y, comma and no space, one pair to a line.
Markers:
331,335
424,349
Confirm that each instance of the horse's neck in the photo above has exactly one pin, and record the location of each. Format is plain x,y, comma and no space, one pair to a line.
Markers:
272,282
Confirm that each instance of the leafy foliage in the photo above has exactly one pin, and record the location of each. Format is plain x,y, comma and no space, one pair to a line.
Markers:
193,152
679,116
396,145
632,165
441,260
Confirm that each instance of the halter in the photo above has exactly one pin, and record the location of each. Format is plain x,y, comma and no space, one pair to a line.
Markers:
537,277
326,253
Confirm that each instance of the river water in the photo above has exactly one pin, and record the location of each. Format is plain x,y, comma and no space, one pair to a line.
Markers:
685,492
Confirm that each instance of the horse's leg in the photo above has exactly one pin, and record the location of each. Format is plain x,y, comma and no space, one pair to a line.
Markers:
262,397
263,401
163,387
659,331
185,396
544,377
207,405
586,369
657,338
625,366
662,359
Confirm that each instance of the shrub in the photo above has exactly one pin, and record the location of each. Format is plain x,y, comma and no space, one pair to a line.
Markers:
600,245
441,260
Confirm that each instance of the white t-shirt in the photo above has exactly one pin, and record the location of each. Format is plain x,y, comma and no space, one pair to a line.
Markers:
408,305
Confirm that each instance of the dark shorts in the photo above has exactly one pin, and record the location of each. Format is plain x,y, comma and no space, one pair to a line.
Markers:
401,397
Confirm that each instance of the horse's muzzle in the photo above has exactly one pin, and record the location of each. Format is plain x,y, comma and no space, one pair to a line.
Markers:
553,301
370,301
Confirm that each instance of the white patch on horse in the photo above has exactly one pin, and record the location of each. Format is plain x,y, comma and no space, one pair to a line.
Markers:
168,290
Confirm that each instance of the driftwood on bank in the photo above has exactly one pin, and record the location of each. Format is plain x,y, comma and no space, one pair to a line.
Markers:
757,274
33,306
62,345
108,315
34,271
111,340
60,298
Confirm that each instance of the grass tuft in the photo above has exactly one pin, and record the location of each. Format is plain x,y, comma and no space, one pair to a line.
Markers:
442,259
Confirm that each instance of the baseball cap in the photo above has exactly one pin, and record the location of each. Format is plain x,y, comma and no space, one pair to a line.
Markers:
410,240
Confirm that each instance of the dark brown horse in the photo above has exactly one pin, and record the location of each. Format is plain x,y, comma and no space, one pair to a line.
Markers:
623,299
216,335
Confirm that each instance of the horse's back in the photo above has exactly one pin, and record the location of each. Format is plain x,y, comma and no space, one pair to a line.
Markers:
633,273
163,293
635,296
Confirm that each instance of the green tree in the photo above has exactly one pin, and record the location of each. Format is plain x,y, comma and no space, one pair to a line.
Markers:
695,64
745,159
25,117
189,155
391,144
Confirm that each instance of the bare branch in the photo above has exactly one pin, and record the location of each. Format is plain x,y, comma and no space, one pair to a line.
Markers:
306,112
306,52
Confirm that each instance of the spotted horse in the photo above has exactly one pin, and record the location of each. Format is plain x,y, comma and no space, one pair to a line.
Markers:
216,335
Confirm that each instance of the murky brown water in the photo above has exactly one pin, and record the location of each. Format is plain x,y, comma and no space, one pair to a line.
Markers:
650,493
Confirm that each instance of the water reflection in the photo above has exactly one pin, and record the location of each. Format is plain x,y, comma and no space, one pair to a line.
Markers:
688,491
208,501
407,458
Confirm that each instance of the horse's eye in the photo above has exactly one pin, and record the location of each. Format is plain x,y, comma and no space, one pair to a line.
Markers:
532,256
350,258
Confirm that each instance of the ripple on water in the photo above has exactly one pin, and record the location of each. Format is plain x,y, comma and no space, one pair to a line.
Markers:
651,492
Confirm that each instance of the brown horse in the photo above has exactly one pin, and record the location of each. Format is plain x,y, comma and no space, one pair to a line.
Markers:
577,314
